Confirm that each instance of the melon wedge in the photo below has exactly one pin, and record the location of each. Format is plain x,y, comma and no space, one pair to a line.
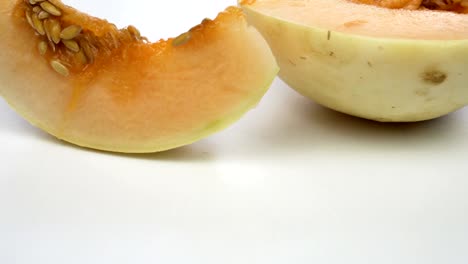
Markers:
84,81
372,62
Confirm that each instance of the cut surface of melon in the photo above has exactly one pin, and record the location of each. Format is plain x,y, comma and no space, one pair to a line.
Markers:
128,95
366,20
368,61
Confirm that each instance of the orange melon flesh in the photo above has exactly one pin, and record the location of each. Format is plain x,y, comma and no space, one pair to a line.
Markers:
389,65
136,97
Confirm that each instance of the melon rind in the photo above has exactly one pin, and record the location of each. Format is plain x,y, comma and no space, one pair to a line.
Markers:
389,80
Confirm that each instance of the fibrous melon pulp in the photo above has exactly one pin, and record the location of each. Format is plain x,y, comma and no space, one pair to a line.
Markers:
84,81
389,60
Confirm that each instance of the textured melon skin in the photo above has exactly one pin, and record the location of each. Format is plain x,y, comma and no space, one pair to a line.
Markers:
388,80
185,93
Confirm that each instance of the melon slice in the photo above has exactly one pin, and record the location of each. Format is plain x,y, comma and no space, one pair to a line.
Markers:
84,81
398,61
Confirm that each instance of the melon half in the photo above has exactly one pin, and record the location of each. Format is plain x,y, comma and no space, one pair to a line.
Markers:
84,81
382,60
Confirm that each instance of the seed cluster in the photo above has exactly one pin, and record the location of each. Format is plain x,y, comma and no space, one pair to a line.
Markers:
44,17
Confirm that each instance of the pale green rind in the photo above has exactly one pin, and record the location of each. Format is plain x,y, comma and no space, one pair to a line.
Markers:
374,78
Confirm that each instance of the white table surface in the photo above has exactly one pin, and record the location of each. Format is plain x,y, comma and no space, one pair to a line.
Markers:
291,182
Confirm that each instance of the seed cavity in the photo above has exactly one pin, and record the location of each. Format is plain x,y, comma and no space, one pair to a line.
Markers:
59,68
66,42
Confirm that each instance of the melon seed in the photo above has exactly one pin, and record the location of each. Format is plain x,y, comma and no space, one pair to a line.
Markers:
55,30
70,32
181,39
43,15
52,45
134,32
88,51
29,18
42,47
71,45
38,26
59,68
82,57
206,20
47,28
51,9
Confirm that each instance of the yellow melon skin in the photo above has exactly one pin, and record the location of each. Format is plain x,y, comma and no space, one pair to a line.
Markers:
385,79
147,97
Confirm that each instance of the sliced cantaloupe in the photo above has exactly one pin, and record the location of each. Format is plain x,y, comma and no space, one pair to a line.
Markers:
408,63
84,81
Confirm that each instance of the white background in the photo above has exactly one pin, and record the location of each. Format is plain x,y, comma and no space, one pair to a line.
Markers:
290,183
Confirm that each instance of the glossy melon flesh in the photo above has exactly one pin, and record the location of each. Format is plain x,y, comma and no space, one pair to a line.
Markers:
368,61
121,93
